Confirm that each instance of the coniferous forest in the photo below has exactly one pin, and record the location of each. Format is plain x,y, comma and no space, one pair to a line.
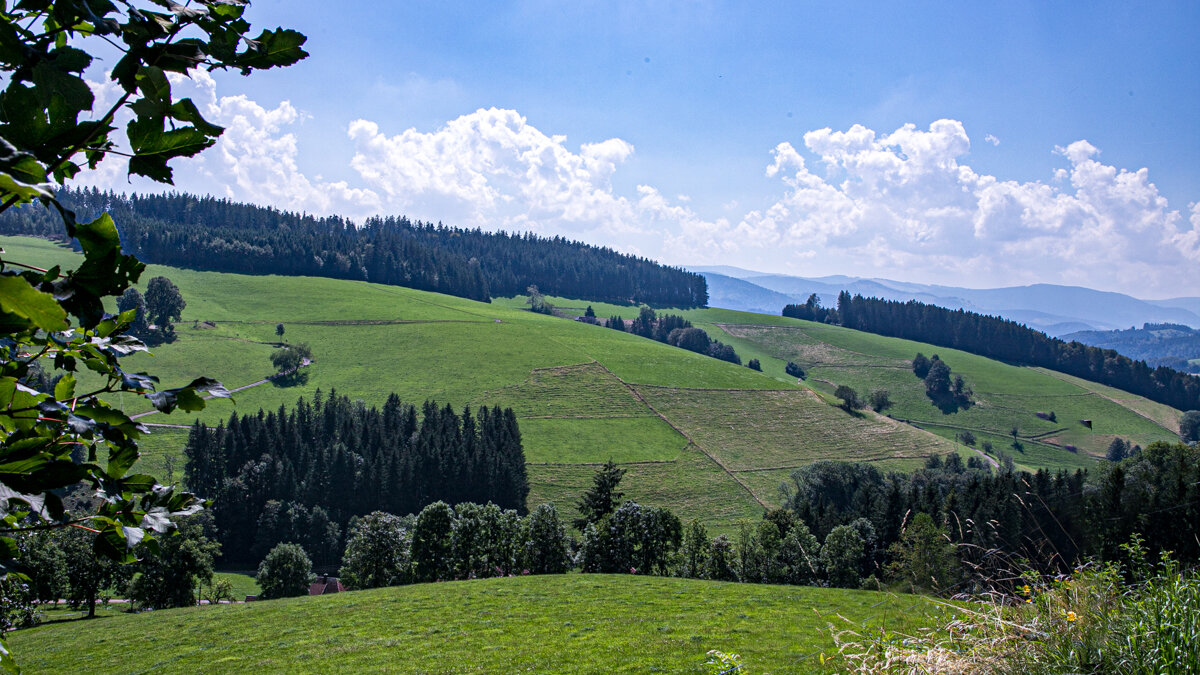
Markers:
300,476
1009,341
219,235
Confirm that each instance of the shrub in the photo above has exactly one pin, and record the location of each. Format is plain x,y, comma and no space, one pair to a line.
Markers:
850,399
753,364
286,572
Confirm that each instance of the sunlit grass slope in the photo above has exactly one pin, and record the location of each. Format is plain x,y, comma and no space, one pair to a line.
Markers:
571,623
709,439
583,394
1007,396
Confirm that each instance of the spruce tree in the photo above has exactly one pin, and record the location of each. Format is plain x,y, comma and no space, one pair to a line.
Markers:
602,498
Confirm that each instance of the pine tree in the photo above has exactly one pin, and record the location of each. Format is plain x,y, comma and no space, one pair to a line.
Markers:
602,498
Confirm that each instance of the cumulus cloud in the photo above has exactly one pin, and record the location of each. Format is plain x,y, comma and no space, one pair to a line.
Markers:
493,169
254,160
904,204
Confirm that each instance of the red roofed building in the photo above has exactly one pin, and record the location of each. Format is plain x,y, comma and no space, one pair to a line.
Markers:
325,584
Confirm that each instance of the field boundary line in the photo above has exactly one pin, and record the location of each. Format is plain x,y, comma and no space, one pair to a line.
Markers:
351,322
801,466
638,395
586,417
642,462
663,386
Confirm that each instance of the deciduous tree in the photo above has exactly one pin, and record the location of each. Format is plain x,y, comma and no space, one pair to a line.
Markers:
164,304
850,399
1189,427
286,572
378,552
879,399
49,131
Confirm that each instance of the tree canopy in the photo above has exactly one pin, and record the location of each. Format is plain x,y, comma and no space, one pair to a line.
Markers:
208,233
49,132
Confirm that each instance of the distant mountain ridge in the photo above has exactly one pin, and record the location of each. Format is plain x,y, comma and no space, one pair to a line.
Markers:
1056,310
1172,345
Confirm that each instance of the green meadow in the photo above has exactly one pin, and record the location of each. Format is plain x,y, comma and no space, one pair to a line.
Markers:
1005,396
572,623
709,439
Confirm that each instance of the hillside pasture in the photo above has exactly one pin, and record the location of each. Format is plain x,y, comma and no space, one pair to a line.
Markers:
580,391
786,429
692,485
573,623
1004,397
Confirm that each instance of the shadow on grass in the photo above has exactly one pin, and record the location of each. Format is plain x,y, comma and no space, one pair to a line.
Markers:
293,379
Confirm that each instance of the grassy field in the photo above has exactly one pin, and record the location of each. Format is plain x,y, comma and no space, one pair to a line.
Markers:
580,391
1005,396
709,439
571,623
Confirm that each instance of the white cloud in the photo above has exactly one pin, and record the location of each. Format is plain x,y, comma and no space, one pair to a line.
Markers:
858,201
254,160
902,204
992,139
493,169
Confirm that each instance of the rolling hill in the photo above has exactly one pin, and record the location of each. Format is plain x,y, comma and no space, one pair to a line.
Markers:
707,438
572,623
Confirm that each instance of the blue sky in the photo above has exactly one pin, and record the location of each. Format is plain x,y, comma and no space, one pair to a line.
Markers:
693,132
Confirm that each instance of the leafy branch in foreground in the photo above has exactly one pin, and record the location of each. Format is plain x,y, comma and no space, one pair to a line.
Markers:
54,441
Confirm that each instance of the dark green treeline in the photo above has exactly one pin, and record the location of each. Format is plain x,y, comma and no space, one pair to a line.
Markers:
300,476
1051,520
207,233
1006,340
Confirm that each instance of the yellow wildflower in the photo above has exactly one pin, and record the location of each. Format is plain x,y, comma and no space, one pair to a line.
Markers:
1071,617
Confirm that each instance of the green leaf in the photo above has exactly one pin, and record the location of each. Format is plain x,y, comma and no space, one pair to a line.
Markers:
18,297
158,519
111,543
7,662
182,142
186,111
21,175
153,84
280,47
8,549
99,236
139,482
189,398
64,389
121,458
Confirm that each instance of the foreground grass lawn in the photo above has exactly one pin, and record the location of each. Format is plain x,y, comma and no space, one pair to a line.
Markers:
552,624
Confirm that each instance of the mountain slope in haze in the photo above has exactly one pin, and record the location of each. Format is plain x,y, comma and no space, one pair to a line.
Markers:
734,293
1190,304
1173,345
1056,310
